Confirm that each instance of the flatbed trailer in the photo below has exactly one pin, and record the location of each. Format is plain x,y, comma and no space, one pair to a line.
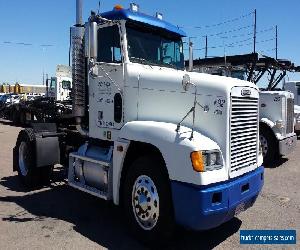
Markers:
43,109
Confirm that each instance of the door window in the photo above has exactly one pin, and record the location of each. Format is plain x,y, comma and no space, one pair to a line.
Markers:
109,48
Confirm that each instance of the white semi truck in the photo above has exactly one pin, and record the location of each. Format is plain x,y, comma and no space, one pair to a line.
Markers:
294,87
61,85
277,136
168,146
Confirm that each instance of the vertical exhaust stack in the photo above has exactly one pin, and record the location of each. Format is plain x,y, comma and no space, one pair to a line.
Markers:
191,55
78,13
78,68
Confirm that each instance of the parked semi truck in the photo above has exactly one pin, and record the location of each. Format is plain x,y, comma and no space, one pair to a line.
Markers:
60,86
276,107
294,87
55,106
277,136
169,146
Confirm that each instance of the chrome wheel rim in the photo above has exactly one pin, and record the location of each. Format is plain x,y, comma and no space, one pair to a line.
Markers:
23,154
145,202
264,145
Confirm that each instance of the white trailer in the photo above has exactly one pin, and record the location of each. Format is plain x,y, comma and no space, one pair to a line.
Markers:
168,146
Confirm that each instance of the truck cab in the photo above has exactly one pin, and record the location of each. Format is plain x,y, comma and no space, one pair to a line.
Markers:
61,85
168,146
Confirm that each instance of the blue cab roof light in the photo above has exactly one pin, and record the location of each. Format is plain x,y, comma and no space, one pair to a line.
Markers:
127,14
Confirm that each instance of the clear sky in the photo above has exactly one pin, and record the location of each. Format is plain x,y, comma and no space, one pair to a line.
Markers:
47,22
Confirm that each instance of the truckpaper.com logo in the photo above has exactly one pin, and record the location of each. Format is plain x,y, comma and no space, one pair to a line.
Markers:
268,237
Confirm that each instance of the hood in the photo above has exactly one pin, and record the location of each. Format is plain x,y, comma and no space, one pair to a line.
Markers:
220,84
287,94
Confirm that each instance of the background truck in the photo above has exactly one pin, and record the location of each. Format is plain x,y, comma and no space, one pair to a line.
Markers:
294,87
168,146
60,86
276,107
54,106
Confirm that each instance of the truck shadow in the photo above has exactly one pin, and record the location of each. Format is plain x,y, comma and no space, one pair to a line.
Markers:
99,221
277,163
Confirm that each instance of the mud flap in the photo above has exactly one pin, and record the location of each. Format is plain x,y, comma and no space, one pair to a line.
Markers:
47,151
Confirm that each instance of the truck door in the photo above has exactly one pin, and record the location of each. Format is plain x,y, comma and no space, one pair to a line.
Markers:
105,82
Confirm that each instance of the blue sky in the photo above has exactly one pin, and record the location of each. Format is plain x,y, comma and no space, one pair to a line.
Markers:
48,21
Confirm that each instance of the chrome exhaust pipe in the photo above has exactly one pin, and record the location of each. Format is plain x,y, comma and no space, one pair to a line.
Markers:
79,12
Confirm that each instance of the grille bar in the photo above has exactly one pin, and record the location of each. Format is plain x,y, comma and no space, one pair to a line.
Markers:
244,132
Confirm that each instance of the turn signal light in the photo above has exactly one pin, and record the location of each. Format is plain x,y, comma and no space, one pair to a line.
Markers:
118,7
197,161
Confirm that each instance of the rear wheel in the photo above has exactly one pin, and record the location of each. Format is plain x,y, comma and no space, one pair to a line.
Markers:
28,173
147,200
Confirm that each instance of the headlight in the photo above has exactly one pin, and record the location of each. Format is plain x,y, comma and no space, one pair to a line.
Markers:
206,160
279,124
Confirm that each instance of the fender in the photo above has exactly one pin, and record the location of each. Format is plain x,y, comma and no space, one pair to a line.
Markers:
267,122
175,148
272,126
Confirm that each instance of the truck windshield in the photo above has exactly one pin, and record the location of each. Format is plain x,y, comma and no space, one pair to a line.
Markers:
53,83
66,84
149,46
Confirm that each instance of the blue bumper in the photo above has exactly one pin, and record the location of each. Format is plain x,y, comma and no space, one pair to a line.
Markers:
205,207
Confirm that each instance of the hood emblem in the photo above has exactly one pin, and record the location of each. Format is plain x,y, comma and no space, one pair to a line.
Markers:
245,92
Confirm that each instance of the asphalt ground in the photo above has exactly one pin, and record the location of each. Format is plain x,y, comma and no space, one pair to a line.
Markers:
59,217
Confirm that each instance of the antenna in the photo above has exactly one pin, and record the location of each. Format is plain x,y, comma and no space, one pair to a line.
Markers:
99,6
206,46
276,44
254,31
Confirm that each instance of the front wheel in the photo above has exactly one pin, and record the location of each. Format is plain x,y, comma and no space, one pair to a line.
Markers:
147,200
268,145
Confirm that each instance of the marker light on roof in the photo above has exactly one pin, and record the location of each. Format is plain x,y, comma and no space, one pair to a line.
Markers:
159,15
134,7
118,7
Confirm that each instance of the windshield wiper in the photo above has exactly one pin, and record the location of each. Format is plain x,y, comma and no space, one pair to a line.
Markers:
141,60
160,64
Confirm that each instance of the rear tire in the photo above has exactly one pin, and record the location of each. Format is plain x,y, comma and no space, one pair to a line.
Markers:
147,201
28,173
269,146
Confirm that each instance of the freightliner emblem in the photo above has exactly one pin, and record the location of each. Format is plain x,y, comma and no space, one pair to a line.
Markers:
246,92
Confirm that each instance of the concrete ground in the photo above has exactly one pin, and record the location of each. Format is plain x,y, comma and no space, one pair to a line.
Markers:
59,217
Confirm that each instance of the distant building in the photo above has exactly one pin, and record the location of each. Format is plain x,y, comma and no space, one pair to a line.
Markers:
19,88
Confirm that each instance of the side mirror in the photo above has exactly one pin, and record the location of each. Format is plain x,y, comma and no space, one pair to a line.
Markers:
186,82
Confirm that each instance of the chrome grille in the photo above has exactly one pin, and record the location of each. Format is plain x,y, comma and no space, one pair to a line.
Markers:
244,132
290,115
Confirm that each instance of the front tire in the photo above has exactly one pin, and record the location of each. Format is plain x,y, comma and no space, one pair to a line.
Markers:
147,200
269,146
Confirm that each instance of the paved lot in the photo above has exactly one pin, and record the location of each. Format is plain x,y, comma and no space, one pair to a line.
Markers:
59,217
